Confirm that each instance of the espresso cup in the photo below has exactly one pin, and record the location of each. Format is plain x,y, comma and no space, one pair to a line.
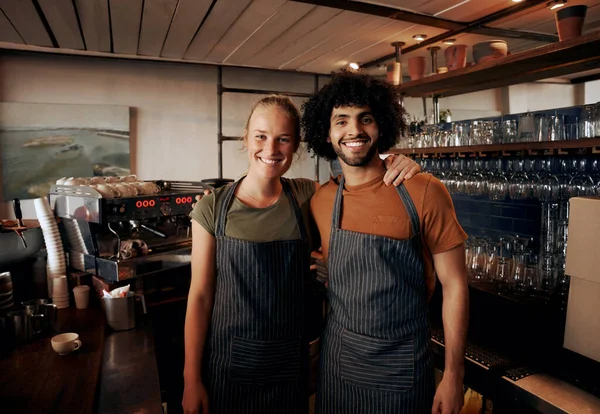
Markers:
140,189
76,181
149,187
106,190
133,188
132,178
125,190
66,343
111,179
97,180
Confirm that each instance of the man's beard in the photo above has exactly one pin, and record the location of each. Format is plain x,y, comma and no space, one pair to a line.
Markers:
357,160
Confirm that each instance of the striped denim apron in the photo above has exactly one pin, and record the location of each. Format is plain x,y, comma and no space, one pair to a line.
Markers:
375,357
257,354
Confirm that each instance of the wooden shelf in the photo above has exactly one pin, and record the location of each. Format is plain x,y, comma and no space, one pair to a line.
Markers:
556,59
584,143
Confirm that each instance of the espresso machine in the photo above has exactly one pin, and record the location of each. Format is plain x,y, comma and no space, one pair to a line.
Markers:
120,238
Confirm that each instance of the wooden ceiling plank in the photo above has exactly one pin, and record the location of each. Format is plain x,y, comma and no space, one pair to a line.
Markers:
342,40
156,19
93,16
188,17
388,12
126,18
339,23
473,10
61,16
24,17
331,61
222,16
256,15
304,23
7,31
277,28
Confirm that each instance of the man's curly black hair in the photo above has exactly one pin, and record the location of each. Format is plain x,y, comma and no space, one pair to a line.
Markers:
352,89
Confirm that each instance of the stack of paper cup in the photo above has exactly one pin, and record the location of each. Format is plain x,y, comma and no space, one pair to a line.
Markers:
57,265
76,243
60,292
82,296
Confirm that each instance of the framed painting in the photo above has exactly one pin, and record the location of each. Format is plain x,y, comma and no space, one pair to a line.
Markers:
41,143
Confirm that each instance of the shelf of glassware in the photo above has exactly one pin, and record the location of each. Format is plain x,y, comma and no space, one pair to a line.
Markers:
534,148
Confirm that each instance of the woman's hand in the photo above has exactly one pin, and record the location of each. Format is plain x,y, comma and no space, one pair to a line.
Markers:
195,398
399,168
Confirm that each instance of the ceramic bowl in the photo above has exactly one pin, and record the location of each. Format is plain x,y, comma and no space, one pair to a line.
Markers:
489,50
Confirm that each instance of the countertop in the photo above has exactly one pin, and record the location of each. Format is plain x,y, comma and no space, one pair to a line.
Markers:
113,372
129,381
35,379
542,392
548,394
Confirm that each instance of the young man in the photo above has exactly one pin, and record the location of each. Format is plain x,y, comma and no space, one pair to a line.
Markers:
383,246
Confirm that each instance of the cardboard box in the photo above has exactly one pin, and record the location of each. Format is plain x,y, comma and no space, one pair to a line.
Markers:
582,328
583,244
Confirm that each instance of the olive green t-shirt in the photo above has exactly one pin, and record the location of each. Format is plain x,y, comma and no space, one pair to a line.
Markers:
276,222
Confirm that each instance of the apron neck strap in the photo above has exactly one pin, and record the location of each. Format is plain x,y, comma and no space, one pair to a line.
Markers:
404,196
337,206
222,214
229,195
296,207
410,209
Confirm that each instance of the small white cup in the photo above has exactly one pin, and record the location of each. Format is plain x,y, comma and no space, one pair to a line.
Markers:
75,181
59,286
125,190
97,180
65,343
149,187
110,179
82,296
106,191
132,178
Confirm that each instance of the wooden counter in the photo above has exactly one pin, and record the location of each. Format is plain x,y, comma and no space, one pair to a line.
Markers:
35,379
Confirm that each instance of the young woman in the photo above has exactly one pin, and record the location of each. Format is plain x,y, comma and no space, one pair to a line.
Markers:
245,348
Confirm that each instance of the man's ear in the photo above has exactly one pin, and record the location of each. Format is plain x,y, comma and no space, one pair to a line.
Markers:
328,140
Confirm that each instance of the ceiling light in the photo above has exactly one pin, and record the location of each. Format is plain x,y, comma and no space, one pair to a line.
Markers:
517,1
353,65
556,4
449,41
420,37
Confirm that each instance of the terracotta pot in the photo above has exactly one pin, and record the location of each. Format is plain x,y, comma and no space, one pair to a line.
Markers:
492,49
394,73
416,67
569,21
456,56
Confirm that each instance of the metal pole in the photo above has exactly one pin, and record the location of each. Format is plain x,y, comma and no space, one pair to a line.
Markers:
398,47
436,109
434,63
220,119
316,157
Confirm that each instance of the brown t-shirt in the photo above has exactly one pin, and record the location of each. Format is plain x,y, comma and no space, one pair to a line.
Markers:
375,208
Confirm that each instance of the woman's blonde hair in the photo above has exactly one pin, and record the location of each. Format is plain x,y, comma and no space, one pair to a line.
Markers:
282,103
